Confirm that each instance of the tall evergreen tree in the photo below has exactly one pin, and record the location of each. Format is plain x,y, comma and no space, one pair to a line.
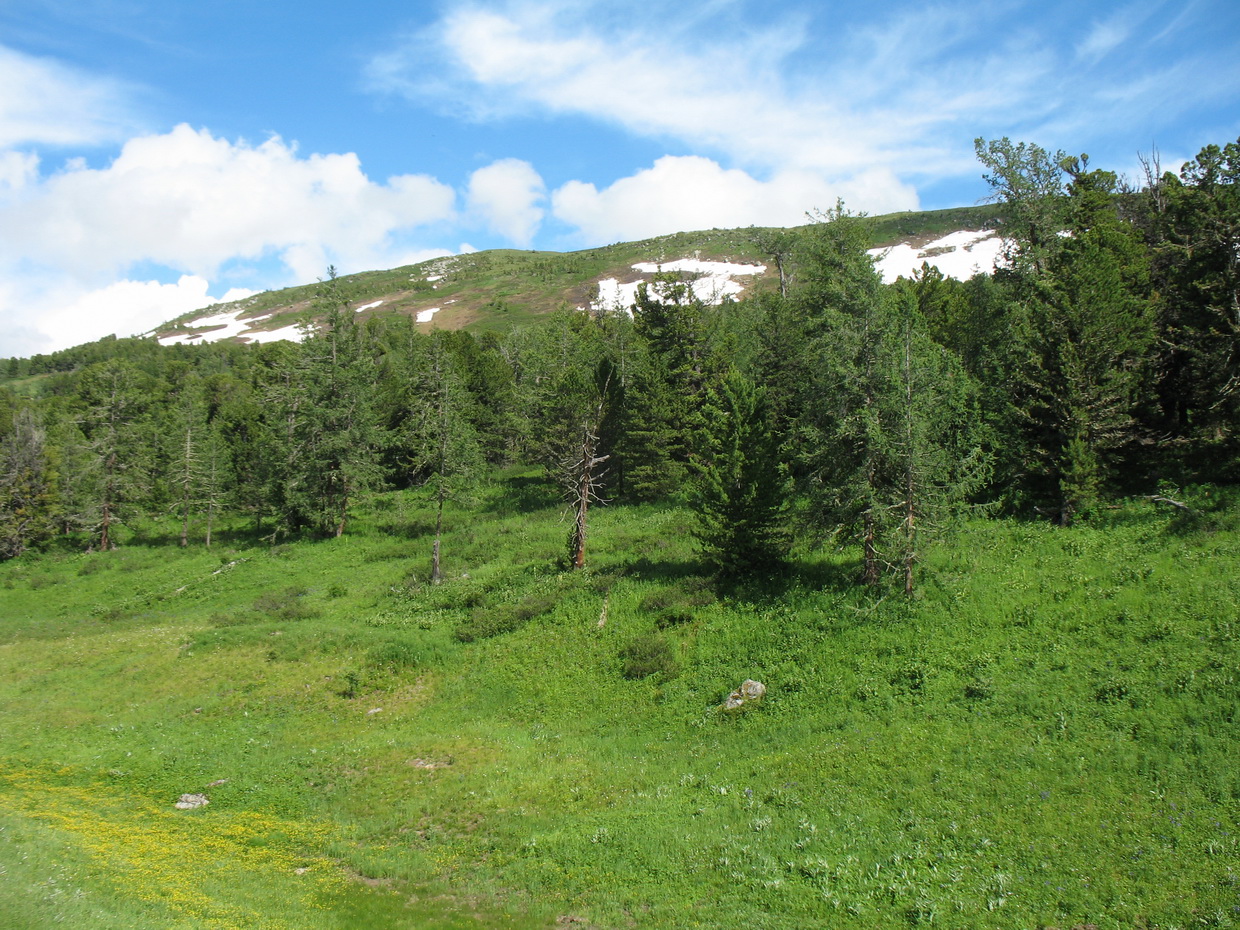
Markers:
1194,234
741,487
889,428
1081,279
333,435
668,386
27,489
1087,330
113,399
439,443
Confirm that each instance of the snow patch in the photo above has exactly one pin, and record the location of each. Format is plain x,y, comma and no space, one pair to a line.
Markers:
713,282
959,255
424,316
372,306
223,326
291,333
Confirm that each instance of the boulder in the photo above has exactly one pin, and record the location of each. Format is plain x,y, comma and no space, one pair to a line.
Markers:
750,692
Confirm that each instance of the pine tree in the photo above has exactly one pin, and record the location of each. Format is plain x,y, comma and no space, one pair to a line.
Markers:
114,397
741,486
889,431
27,519
1194,237
667,389
1089,329
332,434
437,437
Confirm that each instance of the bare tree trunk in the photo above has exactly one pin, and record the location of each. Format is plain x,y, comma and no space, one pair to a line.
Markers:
344,513
583,504
436,573
870,574
187,481
910,452
910,538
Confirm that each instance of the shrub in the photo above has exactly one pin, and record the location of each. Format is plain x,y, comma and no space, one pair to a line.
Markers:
286,605
485,622
648,655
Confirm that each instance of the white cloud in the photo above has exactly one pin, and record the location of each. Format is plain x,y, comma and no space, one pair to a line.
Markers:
691,192
59,316
189,201
903,89
49,103
507,195
870,101
1103,38
18,170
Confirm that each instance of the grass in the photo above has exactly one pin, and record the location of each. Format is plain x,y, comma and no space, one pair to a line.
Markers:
1046,736
499,289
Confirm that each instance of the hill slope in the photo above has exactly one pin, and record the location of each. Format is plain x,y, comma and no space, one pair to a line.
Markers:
1046,737
497,289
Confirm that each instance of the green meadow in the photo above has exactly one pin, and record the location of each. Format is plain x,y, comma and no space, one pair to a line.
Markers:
1045,736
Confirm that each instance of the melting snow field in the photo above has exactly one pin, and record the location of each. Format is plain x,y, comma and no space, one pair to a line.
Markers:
229,326
715,281
959,255
424,316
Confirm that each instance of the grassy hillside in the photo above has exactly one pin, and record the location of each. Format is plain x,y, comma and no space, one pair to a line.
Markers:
500,288
1047,736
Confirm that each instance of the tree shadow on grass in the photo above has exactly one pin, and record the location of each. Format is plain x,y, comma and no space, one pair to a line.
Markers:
524,494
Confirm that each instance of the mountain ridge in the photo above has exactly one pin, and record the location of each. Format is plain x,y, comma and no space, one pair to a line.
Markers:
496,289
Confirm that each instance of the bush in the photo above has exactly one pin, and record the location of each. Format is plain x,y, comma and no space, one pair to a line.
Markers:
648,655
286,605
486,622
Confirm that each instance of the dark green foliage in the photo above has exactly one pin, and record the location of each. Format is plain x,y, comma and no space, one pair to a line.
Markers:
646,656
27,486
741,487
433,429
668,385
113,460
1192,228
890,428
1083,279
327,409
497,619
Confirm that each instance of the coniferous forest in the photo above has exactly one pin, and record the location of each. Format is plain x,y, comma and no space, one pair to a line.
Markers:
453,630
1102,358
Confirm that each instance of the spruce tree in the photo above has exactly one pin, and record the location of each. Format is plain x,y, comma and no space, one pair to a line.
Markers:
438,442
27,491
113,399
740,489
333,436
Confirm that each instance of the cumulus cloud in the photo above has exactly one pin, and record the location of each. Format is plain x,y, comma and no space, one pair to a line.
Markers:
691,192
190,201
47,102
60,315
507,196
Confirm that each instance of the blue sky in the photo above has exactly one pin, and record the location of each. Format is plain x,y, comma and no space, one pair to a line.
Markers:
158,156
